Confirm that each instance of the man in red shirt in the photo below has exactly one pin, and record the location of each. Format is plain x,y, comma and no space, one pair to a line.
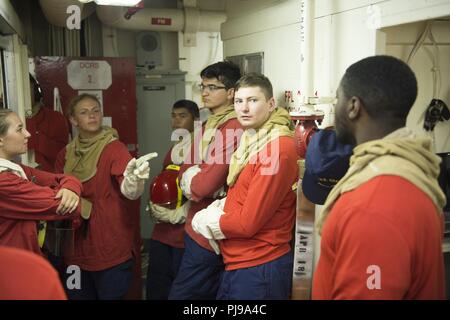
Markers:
381,225
255,225
166,245
204,180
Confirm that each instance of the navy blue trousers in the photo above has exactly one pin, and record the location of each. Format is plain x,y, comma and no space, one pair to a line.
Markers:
108,284
268,281
164,262
199,275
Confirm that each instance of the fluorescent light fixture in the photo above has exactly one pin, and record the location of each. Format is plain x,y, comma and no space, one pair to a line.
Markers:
123,3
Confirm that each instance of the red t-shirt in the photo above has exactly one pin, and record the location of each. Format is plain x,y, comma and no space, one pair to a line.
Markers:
23,203
382,240
168,233
49,135
260,208
213,174
27,276
109,239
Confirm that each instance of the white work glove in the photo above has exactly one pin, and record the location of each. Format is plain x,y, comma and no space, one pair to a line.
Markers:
206,223
173,216
220,203
136,173
186,179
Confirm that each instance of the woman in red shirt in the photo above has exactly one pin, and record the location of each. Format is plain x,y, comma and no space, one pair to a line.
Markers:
28,195
104,248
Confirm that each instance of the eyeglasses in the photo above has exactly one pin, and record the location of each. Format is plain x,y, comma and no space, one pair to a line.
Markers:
209,87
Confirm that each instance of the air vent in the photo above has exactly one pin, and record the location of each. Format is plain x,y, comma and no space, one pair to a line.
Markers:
148,49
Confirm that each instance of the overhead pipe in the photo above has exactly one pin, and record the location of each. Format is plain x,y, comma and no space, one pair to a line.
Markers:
186,20
189,19
55,11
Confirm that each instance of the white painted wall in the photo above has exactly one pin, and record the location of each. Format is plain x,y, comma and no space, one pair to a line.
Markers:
348,30
345,31
193,60
255,26
399,43
281,56
339,40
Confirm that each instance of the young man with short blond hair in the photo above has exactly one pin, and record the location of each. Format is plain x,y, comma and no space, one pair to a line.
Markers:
255,224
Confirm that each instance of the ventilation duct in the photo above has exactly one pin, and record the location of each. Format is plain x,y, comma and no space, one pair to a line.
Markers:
188,20
56,10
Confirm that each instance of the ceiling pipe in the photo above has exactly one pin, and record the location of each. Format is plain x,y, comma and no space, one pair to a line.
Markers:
189,20
55,11
186,20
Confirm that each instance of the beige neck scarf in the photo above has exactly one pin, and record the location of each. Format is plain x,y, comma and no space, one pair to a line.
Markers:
82,156
214,121
401,154
252,142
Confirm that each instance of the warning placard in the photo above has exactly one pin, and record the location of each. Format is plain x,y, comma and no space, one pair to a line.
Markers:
89,75
162,21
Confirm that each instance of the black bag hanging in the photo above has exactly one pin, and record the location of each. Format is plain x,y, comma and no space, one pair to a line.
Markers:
436,111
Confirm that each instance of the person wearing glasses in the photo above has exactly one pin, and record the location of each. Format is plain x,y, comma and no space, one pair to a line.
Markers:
204,180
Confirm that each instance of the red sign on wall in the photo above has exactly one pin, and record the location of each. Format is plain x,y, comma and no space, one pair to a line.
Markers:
162,21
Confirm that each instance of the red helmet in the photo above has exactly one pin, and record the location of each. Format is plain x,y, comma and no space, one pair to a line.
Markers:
165,190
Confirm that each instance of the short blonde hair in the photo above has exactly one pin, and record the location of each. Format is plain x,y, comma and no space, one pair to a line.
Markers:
73,103
255,80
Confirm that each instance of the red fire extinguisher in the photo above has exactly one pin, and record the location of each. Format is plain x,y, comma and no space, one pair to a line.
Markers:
304,129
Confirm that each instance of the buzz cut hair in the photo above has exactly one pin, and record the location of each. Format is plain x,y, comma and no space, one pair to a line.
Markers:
189,105
256,80
386,85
